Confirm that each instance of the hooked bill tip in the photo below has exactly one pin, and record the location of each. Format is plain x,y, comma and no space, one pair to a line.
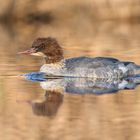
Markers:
28,52
21,75
25,52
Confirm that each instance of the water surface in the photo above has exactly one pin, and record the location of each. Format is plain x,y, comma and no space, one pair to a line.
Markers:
29,112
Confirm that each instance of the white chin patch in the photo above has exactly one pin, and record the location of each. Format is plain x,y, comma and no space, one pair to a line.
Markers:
39,54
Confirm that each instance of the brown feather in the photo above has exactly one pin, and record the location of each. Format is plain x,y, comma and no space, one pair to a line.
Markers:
50,47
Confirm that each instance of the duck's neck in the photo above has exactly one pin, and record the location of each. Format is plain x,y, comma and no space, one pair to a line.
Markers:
58,64
54,59
53,68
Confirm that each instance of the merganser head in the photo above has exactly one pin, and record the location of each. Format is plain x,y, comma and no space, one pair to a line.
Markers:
47,48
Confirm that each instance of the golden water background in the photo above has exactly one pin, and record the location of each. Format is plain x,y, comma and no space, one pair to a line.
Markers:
110,30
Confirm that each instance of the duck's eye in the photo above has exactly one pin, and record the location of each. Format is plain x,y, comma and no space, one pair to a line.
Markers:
39,48
35,48
42,46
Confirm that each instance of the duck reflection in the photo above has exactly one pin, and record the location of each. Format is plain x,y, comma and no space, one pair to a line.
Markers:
89,85
56,87
49,106
82,85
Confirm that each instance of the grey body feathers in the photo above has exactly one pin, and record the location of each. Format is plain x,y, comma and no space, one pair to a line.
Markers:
98,67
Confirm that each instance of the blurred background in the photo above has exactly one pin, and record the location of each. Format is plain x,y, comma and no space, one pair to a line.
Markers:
83,27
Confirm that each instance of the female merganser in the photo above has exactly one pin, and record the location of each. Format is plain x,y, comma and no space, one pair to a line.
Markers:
82,85
98,67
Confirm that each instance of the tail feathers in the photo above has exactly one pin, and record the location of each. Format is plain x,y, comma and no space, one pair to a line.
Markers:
134,78
133,69
136,70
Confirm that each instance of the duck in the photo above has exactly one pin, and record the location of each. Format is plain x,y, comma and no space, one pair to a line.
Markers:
84,67
82,85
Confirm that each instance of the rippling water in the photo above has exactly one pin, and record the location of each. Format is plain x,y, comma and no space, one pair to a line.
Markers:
29,112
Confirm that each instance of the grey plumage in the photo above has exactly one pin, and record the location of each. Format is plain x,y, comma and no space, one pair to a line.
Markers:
98,67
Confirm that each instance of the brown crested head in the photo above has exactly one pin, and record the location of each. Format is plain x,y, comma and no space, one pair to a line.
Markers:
47,48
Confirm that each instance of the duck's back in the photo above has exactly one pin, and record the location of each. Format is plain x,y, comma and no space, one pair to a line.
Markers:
99,67
90,62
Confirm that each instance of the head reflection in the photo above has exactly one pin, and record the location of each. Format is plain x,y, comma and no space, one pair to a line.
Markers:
49,106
